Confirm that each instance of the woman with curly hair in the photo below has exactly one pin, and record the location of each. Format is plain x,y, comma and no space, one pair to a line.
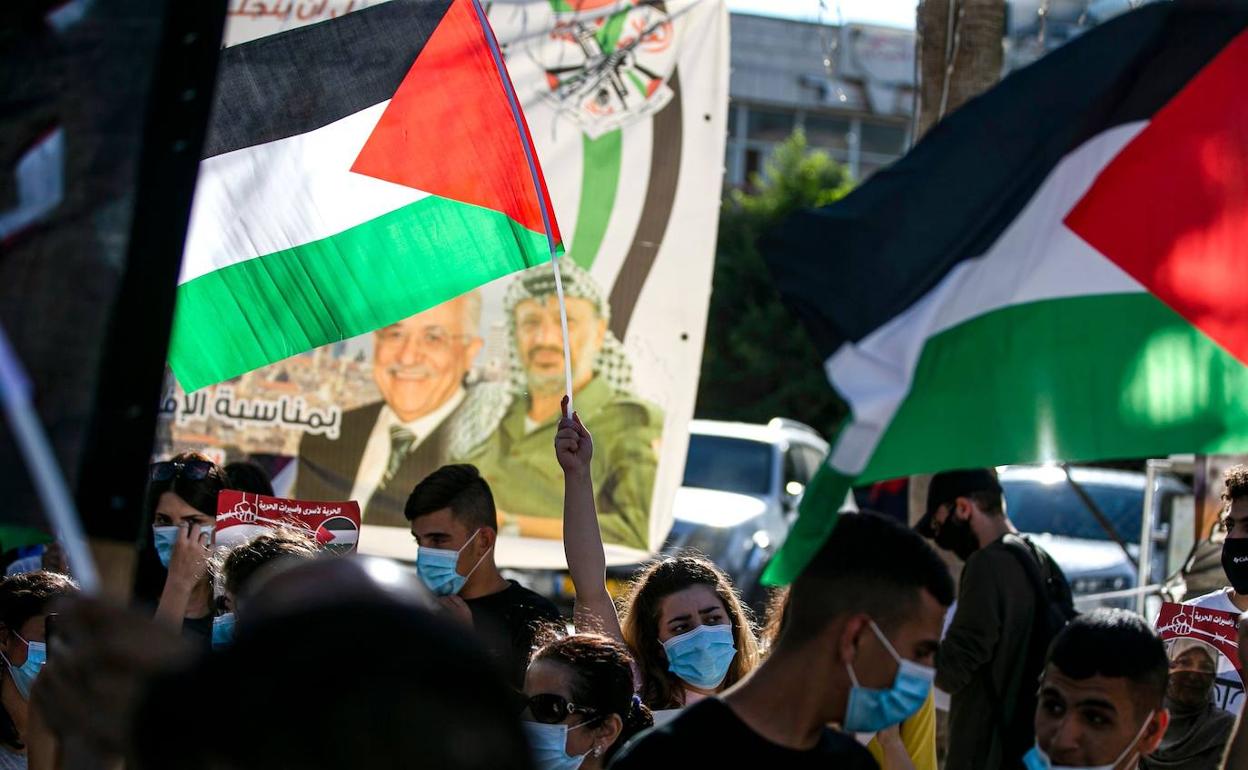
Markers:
683,621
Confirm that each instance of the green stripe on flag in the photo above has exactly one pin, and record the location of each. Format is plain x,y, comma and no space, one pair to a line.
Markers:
817,516
1075,379
263,310
19,537
600,179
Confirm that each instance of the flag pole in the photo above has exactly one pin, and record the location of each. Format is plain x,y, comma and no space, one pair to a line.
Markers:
518,118
45,471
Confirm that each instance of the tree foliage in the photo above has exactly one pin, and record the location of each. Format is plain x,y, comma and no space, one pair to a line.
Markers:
759,362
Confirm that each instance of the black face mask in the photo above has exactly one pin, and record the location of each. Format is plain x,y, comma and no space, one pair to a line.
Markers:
1235,563
1189,689
957,536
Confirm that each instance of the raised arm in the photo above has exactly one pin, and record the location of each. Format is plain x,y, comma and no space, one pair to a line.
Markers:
582,541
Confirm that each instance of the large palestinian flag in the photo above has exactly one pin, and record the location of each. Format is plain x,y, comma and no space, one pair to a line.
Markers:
1056,272
356,171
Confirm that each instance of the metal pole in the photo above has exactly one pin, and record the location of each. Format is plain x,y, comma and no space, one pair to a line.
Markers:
1146,528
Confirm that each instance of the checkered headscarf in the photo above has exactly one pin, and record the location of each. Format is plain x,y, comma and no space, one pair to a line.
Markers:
488,402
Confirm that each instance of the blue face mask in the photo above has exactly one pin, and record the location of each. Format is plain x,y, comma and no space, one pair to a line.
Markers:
438,568
870,711
548,745
701,657
1036,759
24,675
164,538
222,630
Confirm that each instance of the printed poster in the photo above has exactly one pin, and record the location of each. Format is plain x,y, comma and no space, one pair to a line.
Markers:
627,105
1215,634
335,527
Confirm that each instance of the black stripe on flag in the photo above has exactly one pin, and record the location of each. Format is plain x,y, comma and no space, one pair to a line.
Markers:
849,268
300,80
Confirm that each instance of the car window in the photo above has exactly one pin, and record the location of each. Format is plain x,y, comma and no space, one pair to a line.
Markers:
1035,506
728,464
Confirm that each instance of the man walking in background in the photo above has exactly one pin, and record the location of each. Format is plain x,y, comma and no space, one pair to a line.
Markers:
1012,601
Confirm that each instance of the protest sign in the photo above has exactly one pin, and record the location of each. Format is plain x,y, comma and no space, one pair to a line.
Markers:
241,516
1217,630
626,103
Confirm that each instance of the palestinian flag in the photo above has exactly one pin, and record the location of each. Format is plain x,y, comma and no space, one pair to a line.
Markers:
338,535
1055,272
356,171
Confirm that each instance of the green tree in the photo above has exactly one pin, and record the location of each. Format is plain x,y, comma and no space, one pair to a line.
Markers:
759,362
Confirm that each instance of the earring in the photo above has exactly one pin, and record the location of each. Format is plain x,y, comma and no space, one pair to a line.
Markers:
597,751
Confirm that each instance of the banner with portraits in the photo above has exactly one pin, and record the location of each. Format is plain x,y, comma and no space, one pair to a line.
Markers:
627,104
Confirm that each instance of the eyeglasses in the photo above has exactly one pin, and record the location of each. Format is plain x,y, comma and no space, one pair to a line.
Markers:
191,470
550,709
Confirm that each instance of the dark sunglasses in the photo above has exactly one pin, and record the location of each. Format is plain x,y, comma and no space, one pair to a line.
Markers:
552,709
191,470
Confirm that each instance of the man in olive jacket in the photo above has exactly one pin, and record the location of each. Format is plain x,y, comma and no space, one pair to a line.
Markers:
990,659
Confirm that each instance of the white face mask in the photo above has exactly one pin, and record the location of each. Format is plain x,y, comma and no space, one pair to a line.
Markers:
1036,759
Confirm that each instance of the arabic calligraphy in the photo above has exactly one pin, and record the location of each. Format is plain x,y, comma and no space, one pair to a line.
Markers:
285,412
304,10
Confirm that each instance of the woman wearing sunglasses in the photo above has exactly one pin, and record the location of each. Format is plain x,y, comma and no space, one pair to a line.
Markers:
182,503
682,621
579,703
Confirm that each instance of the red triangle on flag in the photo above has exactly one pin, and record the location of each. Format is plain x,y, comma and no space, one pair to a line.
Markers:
1172,208
450,131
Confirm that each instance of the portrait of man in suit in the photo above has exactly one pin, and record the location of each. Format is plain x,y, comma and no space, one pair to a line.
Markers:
386,447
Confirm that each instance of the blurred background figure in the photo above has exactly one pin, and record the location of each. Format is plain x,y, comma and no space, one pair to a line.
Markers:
246,476
25,602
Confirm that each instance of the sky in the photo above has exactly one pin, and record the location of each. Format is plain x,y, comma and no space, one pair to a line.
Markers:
893,13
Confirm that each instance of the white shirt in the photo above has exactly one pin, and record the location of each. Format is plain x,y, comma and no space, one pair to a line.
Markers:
377,450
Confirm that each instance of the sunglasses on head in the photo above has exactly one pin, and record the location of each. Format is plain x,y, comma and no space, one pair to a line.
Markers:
552,709
191,470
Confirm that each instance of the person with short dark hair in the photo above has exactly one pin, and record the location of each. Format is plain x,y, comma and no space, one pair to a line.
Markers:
25,602
1102,694
860,631
456,527
246,476
1012,599
580,702
1234,597
181,503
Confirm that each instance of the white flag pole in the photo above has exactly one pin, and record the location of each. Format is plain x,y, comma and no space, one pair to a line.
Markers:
45,471
518,119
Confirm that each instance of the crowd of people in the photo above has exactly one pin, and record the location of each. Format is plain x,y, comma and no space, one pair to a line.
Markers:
272,654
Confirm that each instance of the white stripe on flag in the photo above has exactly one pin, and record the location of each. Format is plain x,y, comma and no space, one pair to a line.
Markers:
285,193
1036,258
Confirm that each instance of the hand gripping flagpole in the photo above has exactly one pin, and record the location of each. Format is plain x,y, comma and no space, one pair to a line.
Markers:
44,469
518,118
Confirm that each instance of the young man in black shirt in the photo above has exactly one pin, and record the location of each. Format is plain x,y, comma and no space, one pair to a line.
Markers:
456,526
855,648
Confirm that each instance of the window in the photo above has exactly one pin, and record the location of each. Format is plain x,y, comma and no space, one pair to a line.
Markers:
728,464
1034,506
769,125
827,133
732,120
882,139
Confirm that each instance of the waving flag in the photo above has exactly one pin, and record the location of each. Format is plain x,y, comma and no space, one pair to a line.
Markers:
1052,273
357,171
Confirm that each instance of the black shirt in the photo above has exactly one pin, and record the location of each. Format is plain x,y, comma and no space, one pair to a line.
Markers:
508,622
709,734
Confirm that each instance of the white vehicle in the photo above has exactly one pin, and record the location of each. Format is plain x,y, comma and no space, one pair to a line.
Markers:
740,493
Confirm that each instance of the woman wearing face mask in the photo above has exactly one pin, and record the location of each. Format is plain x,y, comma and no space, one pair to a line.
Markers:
25,601
239,565
579,703
182,502
1198,730
683,621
